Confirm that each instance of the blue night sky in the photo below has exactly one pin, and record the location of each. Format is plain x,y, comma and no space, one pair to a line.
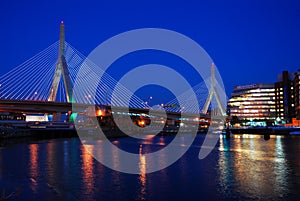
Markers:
250,41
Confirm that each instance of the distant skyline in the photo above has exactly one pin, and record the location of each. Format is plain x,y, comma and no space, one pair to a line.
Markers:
250,41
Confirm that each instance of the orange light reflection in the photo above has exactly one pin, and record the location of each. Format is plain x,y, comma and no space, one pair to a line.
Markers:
142,176
33,165
87,168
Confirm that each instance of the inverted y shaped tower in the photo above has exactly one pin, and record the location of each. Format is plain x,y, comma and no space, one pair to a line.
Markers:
213,91
61,70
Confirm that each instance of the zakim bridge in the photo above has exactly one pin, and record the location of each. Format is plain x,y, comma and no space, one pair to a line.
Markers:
44,85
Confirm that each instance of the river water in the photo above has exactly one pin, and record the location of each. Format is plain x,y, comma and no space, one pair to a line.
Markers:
242,168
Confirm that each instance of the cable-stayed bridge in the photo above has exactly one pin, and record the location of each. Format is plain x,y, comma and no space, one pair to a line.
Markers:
44,83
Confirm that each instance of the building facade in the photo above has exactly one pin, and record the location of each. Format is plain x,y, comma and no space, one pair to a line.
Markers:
262,102
255,102
297,94
285,96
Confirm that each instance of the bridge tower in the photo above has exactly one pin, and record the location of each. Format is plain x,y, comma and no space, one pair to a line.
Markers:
61,70
213,91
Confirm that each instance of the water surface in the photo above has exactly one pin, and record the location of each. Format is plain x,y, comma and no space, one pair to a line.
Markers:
242,168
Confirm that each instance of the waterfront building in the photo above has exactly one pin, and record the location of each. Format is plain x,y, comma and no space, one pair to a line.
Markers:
263,102
253,103
285,96
297,94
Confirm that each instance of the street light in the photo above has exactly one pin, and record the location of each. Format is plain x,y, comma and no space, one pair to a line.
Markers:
35,94
147,103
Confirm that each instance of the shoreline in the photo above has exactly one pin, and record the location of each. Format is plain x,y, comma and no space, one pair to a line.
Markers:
52,133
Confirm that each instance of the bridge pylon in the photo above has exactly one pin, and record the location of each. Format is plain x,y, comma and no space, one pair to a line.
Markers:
213,91
61,70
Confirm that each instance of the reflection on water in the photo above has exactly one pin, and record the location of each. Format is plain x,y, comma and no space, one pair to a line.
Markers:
162,141
244,168
33,165
1,162
280,169
115,155
142,176
51,163
87,169
254,168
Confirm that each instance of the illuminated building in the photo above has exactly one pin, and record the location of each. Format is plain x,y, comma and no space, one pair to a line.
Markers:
255,102
285,96
261,102
297,94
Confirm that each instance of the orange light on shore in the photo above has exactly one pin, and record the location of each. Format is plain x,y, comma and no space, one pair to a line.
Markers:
141,123
99,113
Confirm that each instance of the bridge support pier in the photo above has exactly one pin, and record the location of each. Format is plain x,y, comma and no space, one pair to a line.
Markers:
227,135
56,116
59,116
